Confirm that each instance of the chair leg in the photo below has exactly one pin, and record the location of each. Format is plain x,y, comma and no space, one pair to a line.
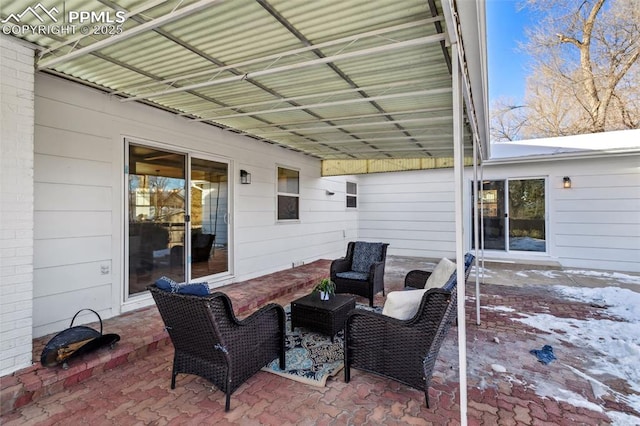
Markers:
283,361
227,405
426,397
347,373
173,379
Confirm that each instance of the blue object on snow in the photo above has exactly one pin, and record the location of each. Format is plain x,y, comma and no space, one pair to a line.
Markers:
544,355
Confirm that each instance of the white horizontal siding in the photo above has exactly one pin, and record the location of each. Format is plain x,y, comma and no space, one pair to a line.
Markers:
79,201
594,224
68,251
58,280
412,211
65,197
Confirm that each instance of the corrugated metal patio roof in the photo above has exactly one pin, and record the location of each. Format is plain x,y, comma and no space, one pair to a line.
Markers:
340,80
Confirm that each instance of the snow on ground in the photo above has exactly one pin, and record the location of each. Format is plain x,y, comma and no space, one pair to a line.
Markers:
615,340
615,276
497,308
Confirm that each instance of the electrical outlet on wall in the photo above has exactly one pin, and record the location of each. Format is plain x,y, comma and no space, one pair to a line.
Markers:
105,269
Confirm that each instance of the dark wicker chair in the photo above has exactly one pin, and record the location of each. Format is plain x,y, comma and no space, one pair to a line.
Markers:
361,271
403,350
201,246
211,343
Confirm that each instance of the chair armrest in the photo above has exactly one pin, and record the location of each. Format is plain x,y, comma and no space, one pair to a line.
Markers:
263,329
375,319
340,265
371,335
377,268
416,278
265,312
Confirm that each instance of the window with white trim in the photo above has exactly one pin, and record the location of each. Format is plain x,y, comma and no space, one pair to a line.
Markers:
288,194
352,195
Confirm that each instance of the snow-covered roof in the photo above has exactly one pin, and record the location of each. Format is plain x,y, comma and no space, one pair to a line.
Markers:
571,146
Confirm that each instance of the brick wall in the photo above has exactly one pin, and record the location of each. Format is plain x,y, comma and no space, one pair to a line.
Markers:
16,204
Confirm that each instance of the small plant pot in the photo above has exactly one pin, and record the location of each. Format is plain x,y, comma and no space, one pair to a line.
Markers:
324,295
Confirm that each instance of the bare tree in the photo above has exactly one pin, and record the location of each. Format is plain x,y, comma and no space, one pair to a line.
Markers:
585,70
507,119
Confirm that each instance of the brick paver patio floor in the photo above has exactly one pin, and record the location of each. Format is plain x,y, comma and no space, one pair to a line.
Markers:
503,382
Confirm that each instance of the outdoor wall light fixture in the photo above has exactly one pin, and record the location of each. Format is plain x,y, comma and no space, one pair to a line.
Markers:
245,177
566,182
330,193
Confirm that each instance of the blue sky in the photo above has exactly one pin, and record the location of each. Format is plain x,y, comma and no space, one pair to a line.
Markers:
507,66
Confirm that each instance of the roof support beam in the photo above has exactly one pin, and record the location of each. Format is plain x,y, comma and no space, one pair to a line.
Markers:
425,120
144,7
277,56
318,95
351,117
166,19
458,174
432,92
364,52
341,167
420,138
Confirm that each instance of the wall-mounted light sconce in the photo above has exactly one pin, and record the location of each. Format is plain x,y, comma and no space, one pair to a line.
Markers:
566,182
330,193
245,177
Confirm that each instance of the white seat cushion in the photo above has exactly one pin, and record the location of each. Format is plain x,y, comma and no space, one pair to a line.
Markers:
403,304
440,274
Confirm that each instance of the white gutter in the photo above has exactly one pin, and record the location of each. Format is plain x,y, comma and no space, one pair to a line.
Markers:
564,156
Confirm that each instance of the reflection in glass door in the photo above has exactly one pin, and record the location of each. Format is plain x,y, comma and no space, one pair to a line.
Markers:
491,200
516,225
527,215
156,228
209,207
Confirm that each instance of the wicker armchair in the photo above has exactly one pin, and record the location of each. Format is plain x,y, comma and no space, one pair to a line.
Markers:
361,271
403,350
211,343
418,278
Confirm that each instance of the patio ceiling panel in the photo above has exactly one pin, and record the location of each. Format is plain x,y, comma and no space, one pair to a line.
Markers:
336,79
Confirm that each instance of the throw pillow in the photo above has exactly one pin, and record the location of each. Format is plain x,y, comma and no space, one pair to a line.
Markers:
167,284
403,305
364,255
194,289
440,274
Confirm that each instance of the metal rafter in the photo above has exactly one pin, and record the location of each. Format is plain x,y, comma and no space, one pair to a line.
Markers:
354,117
431,92
319,54
171,17
423,120
321,61
318,95
208,72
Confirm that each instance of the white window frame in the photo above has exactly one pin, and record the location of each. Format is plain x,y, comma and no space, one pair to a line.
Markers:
287,194
349,195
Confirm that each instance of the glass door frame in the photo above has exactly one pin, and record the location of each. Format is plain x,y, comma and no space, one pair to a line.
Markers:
131,301
507,211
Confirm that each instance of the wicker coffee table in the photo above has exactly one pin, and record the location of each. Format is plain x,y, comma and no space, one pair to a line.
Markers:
325,316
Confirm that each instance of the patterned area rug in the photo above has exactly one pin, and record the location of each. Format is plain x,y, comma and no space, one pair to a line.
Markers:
311,357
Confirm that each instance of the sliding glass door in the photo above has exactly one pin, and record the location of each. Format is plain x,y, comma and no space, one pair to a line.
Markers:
209,207
162,213
514,214
156,210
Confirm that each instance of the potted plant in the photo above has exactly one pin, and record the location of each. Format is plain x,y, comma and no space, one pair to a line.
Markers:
325,287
